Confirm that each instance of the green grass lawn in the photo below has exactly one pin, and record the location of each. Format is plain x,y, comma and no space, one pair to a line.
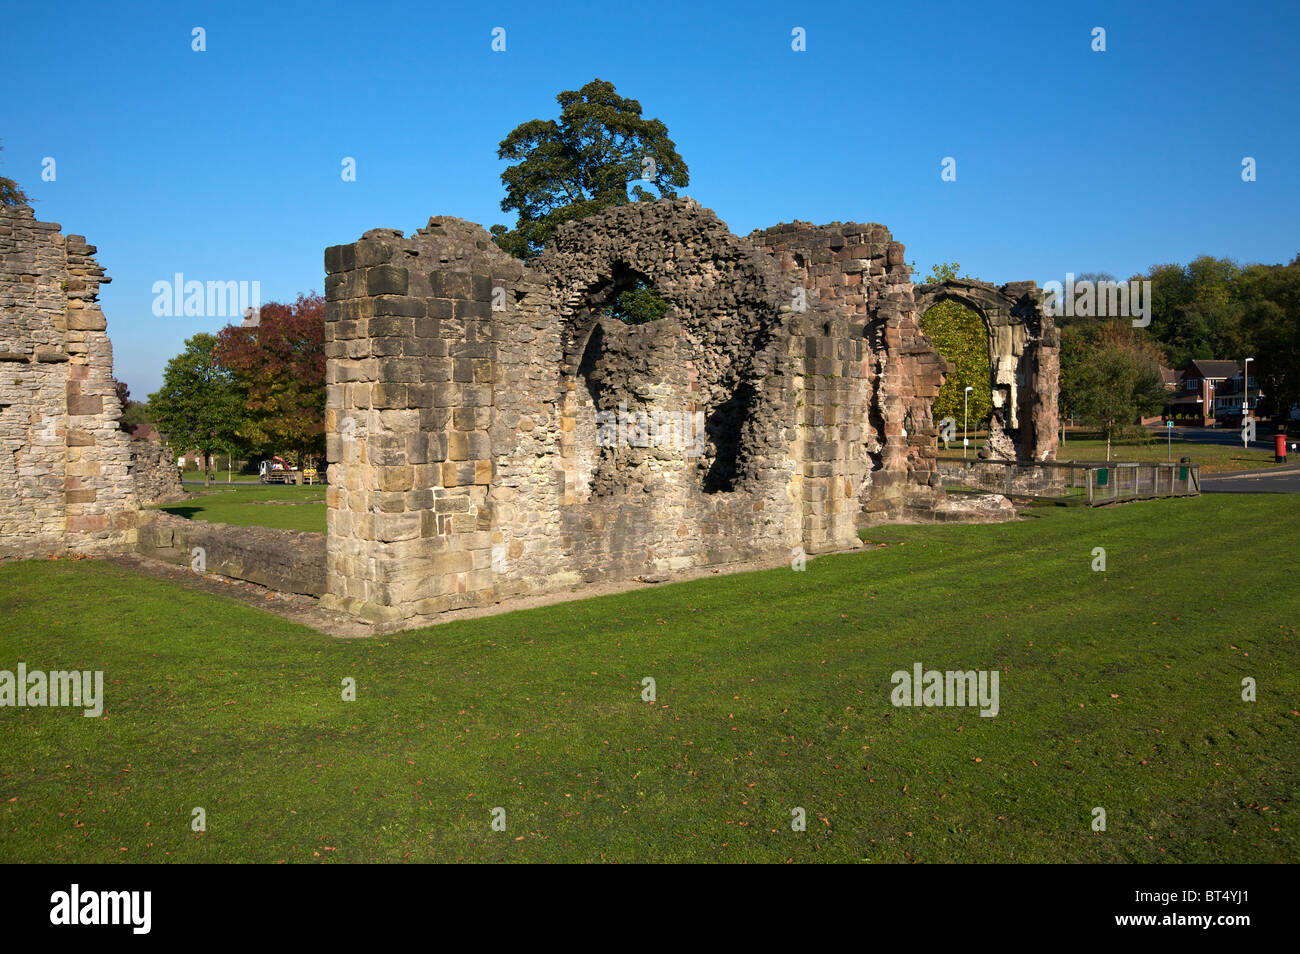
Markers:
303,508
223,476
1212,458
275,506
1118,689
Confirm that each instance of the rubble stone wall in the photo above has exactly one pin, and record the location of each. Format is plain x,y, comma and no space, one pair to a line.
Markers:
64,464
154,474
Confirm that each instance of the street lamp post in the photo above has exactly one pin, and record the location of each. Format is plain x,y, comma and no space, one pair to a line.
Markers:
1245,402
965,420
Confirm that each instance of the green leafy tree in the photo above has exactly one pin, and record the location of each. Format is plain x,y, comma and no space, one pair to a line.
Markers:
200,403
1271,320
600,153
1063,320
638,304
1110,375
942,272
134,413
135,417
960,336
1197,309
10,193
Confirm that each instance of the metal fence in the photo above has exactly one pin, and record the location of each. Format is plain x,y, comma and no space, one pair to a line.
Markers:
1093,484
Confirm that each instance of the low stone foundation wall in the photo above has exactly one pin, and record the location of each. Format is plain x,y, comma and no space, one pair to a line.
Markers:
289,561
965,508
1027,479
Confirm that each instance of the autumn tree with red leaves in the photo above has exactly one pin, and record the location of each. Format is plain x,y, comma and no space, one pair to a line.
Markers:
281,364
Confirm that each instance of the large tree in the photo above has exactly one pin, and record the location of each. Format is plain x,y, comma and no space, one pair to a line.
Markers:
200,404
1271,320
280,365
601,152
1197,309
1110,375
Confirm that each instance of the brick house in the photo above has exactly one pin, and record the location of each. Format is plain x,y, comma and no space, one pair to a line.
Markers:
1210,391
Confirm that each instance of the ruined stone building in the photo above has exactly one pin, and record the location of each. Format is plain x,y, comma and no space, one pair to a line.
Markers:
494,432
1024,363
65,482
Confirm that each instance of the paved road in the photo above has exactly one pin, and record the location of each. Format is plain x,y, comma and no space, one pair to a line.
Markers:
1224,436
1284,480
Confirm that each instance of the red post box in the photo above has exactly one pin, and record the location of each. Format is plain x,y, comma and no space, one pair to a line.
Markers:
1279,448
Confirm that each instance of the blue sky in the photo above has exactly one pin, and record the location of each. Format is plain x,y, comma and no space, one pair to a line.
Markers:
225,165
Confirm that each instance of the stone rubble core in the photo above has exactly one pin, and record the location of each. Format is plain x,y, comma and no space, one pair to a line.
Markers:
65,468
154,473
464,388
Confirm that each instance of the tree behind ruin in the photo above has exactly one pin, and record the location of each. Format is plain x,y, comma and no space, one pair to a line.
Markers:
600,153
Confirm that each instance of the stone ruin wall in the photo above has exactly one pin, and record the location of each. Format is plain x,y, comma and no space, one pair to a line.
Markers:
464,388
64,464
154,475
873,358
1024,363
465,391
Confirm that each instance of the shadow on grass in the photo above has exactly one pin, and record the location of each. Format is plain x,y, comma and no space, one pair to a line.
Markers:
186,512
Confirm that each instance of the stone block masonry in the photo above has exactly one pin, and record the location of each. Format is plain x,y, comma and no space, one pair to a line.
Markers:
878,373
466,392
65,481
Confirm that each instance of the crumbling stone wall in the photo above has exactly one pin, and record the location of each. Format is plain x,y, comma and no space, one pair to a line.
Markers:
1024,363
870,374
468,392
64,464
155,477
